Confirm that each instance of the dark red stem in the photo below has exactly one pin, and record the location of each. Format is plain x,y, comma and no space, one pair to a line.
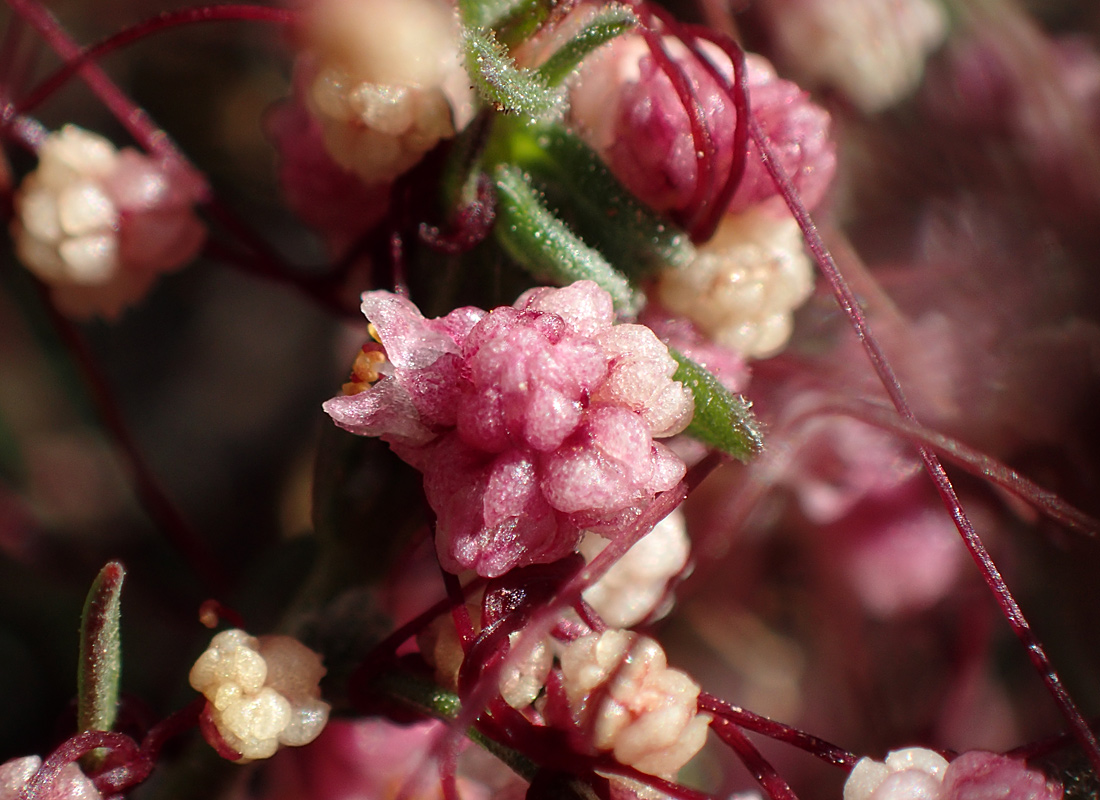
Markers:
761,770
777,730
41,783
164,513
992,576
164,21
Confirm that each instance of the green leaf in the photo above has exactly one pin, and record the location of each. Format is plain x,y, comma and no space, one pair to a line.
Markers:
503,84
635,239
608,23
545,246
100,666
722,420
513,20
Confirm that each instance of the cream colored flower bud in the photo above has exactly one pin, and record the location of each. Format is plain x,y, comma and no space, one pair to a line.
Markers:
744,284
620,688
871,50
635,586
914,772
263,691
387,82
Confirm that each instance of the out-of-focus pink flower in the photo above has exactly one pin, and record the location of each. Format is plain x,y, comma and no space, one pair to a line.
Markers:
530,423
871,50
628,110
385,81
371,758
70,784
323,194
99,225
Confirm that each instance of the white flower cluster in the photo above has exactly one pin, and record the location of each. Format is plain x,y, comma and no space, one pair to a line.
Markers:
906,774
620,688
66,223
71,783
98,224
386,82
635,586
744,284
871,50
262,692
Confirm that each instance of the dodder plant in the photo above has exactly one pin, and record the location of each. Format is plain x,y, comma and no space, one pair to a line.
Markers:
577,230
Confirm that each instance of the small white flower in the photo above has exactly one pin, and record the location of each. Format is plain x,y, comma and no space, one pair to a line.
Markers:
621,690
633,589
263,691
385,82
871,50
914,773
744,284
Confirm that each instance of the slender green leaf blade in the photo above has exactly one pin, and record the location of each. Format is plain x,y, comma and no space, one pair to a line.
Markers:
503,84
608,23
722,419
637,240
545,246
100,651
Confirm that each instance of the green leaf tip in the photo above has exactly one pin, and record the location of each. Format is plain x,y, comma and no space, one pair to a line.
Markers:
503,84
609,22
100,666
722,419
546,247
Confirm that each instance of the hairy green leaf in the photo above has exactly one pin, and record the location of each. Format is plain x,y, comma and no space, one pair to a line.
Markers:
506,86
545,246
637,240
100,667
722,419
608,23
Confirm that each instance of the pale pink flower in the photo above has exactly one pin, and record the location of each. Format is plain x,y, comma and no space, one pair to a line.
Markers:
628,110
98,225
368,758
627,700
919,774
530,423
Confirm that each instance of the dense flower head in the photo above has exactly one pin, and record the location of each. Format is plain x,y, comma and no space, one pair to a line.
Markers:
871,50
70,784
919,774
627,109
384,79
622,692
530,422
261,692
636,588
743,285
98,224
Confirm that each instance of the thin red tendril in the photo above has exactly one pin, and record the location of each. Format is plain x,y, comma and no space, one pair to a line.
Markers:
162,22
820,748
992,576
764,773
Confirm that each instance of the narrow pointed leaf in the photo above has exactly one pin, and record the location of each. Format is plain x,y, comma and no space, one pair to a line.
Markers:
100,651
503,84
545,246
608,23
513,20
635,239
722,419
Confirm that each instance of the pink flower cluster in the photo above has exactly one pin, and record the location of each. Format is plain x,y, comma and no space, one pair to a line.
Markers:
531,422
625,105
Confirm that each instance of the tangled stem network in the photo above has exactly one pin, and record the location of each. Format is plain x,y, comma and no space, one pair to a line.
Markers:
612,504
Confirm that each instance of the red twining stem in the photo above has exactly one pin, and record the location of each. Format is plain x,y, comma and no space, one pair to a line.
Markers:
992,576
